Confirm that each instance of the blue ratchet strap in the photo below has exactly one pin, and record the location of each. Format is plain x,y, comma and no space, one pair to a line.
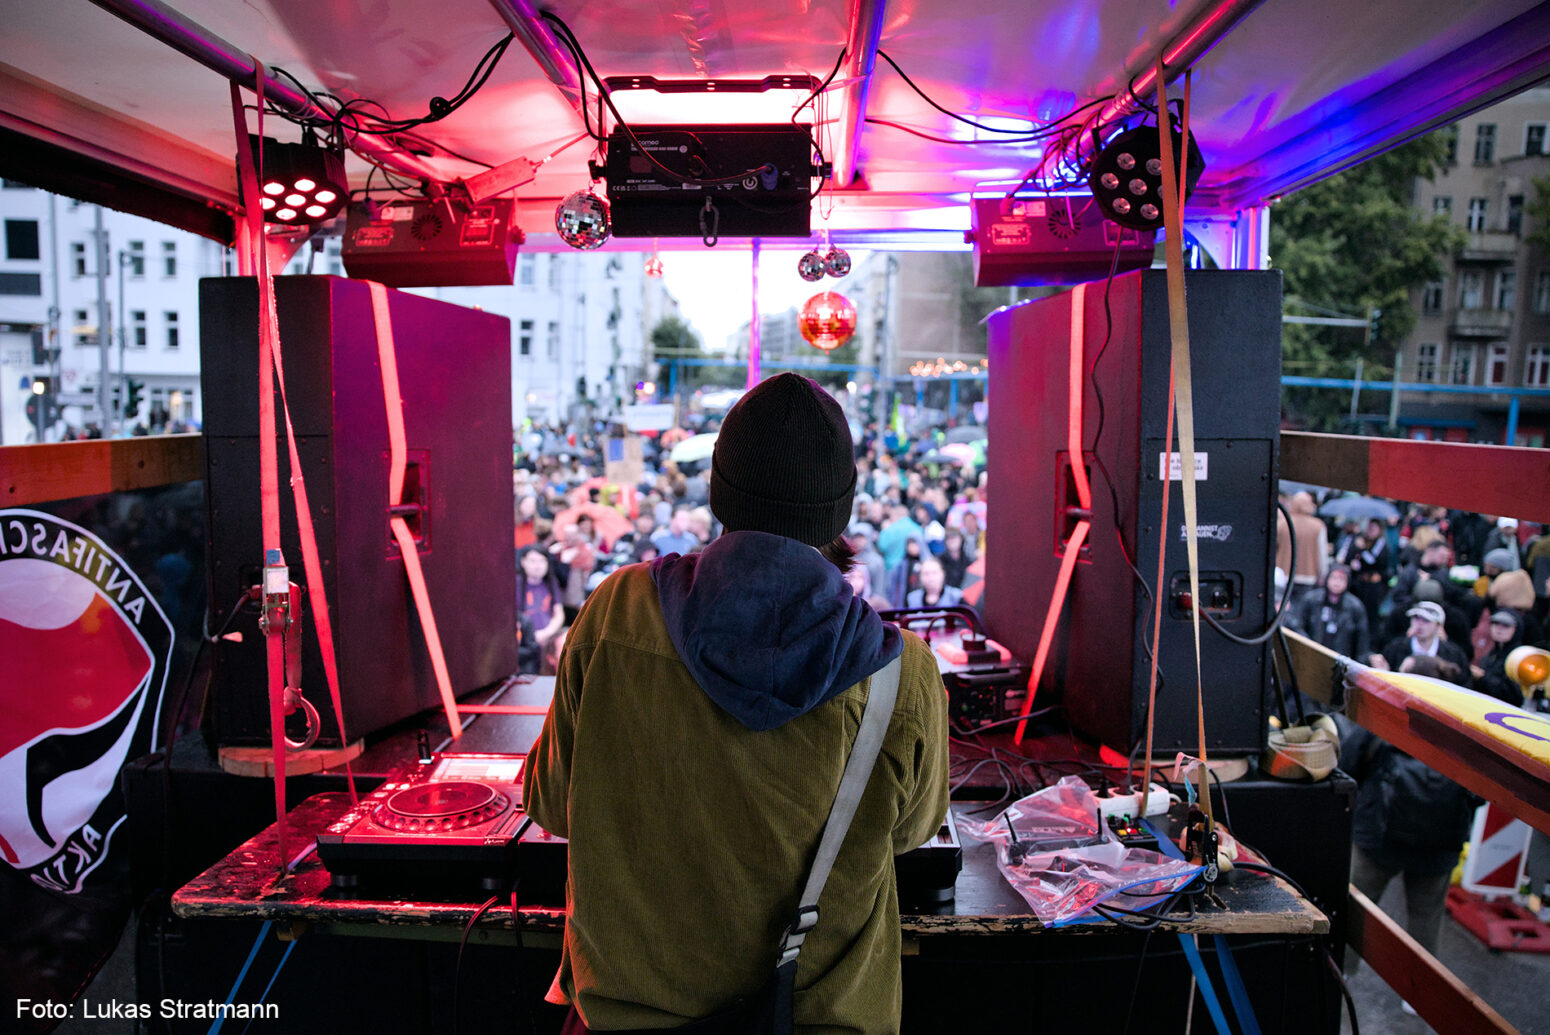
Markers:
1203,980
243,973
1235,989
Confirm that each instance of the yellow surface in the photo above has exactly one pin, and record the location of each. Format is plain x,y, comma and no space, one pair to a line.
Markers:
1528,732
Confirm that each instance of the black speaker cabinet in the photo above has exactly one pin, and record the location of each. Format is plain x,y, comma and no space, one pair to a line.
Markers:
454,374
1099,659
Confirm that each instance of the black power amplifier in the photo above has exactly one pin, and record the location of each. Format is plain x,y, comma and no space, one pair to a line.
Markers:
768,173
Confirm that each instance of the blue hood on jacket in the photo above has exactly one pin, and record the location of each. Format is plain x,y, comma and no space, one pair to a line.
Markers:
768,627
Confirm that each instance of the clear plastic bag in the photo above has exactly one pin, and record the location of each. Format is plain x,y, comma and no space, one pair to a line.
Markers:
1053,848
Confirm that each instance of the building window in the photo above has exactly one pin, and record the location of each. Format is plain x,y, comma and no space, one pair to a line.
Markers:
171,320
21,239
1536,369
1496,364
1426,362
1471,289
1507,290
1534,139
1442,205
1432,295
525,338
554,273
1515,214
134,259
1476,221
552,343
526,273
1542,292
137,328
21,283
85,333
169,258
1462,366
1485,143
1450,143
78,260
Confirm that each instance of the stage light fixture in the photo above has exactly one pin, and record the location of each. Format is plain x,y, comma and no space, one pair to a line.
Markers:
1126,176
301,183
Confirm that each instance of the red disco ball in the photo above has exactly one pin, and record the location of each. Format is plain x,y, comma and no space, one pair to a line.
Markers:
827,320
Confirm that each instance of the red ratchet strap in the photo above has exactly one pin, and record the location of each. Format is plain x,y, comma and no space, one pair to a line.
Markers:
1084,496
397,454
1178,325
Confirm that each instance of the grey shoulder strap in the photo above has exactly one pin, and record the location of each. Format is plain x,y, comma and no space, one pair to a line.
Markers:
882,694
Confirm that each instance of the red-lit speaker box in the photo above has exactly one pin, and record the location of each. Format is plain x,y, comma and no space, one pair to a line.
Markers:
1050,239
454,374
426,243
1099,662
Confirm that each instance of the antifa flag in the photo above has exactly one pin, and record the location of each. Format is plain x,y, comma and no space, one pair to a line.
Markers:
87,651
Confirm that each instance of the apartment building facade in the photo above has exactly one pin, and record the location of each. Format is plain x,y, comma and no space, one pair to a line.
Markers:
1483,333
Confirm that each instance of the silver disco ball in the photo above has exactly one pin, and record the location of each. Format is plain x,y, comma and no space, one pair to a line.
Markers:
582,220
837,262
810,267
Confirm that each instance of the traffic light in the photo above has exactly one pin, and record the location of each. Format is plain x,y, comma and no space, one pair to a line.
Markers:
1374,324
132,390
42,410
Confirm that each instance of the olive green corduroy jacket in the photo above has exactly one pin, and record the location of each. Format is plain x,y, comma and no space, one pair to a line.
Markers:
691,835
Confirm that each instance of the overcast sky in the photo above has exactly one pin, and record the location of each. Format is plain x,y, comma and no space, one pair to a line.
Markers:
713,287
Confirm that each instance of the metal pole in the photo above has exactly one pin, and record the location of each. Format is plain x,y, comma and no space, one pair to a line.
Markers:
753,323
1356,389
1394,393
1512,422
122,397
104,328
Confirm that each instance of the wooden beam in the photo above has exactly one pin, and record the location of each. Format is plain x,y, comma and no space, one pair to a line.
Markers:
1491,768
65,470
1508,480
1439,997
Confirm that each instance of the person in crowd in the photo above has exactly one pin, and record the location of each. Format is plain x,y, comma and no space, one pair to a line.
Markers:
1334,617
933,590
1424,638
676,537
1368,557
1514,591
861,536
1410,820
527,512
699,526
905,576
1312,540
1505,537
899,530
1495,562
1506,632
574,559
540,616
1469,534
931,529
954,557
973,534
749,663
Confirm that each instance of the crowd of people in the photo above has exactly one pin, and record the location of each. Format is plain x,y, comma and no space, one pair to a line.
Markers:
917,524
1460,588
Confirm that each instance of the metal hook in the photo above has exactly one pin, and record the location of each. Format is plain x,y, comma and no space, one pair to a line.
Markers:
709,234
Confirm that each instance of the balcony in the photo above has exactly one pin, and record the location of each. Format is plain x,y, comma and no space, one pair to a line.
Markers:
1490,246
1482,323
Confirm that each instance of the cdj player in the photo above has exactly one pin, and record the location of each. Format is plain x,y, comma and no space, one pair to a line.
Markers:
445,823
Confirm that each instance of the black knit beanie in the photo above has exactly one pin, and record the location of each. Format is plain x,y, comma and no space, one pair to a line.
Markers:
784,463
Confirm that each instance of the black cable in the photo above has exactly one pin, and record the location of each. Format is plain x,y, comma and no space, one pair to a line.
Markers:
1272,871
571,43
516,928
1286,596
977,125
457,971
1345,990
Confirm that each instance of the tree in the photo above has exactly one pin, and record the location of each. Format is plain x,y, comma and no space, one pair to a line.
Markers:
1537,213
1354,243
673,340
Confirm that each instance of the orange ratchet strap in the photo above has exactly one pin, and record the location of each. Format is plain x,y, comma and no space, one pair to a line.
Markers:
1084,496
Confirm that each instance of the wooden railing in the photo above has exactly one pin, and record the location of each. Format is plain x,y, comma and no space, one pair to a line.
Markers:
65,470
1499,480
